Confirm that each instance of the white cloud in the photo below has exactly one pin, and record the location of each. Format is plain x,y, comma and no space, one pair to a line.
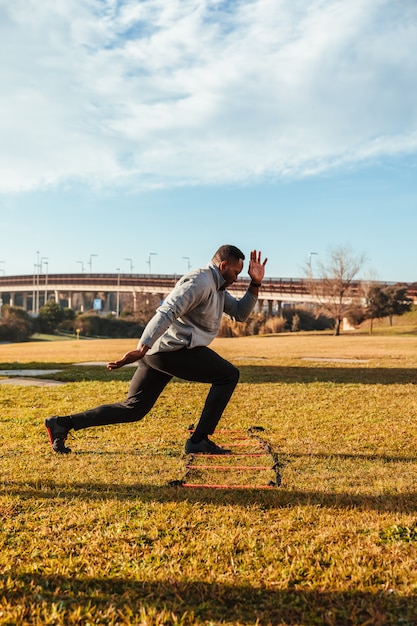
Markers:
201,91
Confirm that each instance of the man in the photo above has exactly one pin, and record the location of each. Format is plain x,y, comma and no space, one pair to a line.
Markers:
174,343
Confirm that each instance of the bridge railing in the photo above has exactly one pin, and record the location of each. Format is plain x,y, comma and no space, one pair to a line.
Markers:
278,284
290,286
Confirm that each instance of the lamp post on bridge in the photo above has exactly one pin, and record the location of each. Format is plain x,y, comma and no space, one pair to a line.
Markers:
91,262
82,266
309,260
4,274
131,264
35,270
36,293
118,292
151,254
187,258
44,261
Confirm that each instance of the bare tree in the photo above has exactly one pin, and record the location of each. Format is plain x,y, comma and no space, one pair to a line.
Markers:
334,285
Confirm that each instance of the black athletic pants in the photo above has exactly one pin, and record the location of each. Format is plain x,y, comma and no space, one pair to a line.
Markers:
152,375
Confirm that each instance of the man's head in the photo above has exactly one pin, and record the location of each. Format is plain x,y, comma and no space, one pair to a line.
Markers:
229,260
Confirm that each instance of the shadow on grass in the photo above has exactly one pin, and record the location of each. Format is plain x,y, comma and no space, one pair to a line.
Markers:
274,374
249,374
278,497
348,375
198,602
385,458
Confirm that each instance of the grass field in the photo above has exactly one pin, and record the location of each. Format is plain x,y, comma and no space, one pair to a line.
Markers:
99,537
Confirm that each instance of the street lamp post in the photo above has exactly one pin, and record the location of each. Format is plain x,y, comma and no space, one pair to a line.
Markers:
91,262
38,269
82,266
187,258
35,269
4,274
43,260
149,260
118,292
309,260
46,283
131,264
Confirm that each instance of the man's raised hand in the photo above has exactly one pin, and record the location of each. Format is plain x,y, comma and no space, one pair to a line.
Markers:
256,266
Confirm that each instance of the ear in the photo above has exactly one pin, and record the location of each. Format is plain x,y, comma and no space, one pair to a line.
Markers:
222,265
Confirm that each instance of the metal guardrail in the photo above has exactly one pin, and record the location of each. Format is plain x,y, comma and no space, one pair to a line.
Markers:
283,285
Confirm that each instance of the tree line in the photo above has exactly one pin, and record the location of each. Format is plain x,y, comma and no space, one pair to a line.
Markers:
17,325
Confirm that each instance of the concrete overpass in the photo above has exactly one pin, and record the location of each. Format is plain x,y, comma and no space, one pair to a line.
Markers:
104,292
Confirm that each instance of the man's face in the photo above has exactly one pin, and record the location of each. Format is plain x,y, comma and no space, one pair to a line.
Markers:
230,270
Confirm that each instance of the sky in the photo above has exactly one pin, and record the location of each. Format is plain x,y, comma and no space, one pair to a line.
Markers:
140,135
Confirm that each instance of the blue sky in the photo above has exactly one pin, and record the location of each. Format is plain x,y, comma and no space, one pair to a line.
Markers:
172,127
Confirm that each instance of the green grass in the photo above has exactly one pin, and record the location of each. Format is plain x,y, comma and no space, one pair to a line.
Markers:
99,537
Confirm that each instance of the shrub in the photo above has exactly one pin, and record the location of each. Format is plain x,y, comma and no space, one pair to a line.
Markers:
356,316
301,319
256,324
273,325
92,325
49,318
15,324
295,323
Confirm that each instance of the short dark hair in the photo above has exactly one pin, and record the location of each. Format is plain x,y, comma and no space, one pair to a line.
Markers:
227,253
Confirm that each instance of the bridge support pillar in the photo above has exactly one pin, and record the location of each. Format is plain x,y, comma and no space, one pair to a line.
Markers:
270,304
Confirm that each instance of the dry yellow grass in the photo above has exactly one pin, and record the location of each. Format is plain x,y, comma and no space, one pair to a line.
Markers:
99,538
271,347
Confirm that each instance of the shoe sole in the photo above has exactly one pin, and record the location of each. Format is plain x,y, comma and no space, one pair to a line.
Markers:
64,451
48,430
